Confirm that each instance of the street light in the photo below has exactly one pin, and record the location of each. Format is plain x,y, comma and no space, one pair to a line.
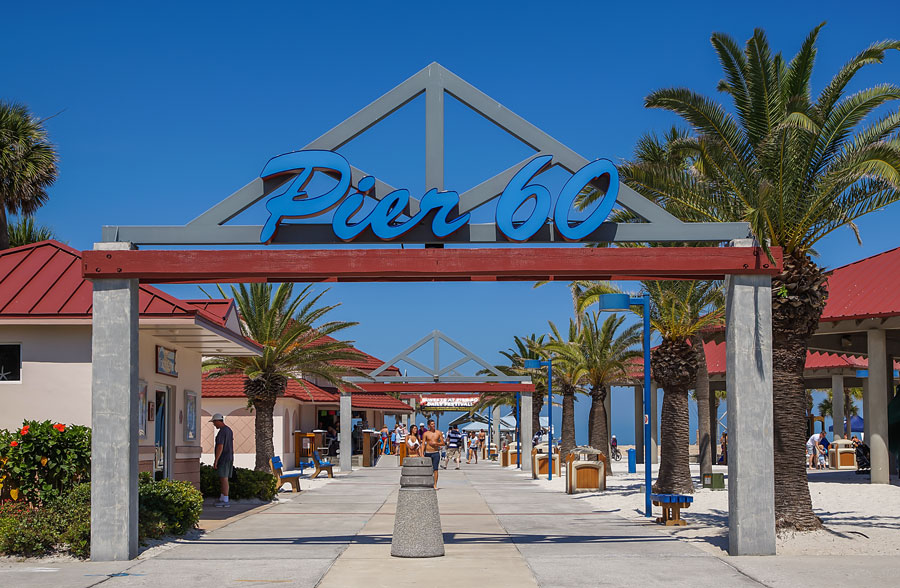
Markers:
536,364
518,434
624,302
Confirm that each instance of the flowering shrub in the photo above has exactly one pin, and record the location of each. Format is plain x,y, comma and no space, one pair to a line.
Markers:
43,460
243,484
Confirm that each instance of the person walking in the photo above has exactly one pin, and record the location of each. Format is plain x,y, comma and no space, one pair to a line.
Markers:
413,445
482,443
454,440
224,460
434,441
473,447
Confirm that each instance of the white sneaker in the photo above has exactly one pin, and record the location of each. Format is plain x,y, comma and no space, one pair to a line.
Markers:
222,504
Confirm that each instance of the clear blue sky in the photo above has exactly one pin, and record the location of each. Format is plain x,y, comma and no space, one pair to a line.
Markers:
167,107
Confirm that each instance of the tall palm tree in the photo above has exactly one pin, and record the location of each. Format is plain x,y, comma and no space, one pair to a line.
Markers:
295,344
25,232
27,164
796,168
530,347
678,311
568,378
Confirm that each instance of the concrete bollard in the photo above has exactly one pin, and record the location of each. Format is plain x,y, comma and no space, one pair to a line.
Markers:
417,524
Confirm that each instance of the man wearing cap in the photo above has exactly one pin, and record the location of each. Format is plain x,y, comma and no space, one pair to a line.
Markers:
224,462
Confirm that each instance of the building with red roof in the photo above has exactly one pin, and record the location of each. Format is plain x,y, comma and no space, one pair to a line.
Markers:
45,354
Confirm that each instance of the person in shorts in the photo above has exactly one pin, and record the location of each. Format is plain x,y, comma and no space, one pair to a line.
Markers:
224,460
454,442
434,441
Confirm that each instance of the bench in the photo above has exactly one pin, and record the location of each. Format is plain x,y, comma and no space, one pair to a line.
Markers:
671,507
278,470
321,466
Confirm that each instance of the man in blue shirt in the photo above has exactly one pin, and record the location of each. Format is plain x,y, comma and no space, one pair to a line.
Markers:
454,440
224,460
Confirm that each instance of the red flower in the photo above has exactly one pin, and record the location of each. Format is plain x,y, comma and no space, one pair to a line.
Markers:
24,430
59,427
14,444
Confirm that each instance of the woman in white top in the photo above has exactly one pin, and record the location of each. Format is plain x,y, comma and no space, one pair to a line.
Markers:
413,445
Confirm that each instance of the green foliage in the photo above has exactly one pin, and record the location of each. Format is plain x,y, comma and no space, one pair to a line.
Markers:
25,232
61,524
167,507
243,485
43,460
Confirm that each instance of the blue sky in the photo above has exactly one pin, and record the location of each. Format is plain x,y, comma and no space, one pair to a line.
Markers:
166,108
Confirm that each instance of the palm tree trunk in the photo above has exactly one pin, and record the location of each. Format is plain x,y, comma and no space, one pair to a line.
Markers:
701,389
264,409
599,432
4,229
674,460
567,439
798,298
713,426
537,405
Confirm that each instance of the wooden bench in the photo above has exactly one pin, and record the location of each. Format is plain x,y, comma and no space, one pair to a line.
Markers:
321,466
671,507
278,470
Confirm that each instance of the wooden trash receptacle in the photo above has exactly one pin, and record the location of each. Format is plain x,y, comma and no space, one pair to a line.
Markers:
512,456
584,475
540,464
504,458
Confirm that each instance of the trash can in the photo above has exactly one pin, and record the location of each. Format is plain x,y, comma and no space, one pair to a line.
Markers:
632,461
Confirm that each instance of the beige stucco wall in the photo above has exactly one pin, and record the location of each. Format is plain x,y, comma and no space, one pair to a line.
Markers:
56,386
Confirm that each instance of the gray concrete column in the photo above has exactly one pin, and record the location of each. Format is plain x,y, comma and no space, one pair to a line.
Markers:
525,430
751,487
346,425
881,374
654,423
865,387
837,404
495,429
639,423
114,420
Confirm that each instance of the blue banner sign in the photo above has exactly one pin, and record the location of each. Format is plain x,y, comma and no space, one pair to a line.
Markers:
387,220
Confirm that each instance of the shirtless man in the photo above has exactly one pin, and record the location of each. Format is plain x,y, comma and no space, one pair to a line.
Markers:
434,440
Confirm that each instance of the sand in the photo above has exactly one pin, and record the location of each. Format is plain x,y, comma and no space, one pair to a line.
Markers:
859,517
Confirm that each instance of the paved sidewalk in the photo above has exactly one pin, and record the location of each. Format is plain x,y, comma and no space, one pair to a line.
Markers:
500,529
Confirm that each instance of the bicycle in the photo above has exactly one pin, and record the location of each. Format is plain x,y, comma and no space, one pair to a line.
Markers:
616,454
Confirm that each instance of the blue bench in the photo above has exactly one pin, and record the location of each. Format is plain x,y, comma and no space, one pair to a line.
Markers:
278,470
322,466
671,507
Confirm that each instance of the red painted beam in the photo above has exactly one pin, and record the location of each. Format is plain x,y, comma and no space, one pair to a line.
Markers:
399,265
418,388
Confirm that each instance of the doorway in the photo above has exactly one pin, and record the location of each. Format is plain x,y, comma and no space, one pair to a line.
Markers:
162,445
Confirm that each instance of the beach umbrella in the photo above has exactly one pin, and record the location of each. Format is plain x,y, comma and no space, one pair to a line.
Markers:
856,423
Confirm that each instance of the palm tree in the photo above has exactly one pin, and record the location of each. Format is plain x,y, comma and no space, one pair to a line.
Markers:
568,378
294,345
27,164
530,347
826,406
679,310
795,168
25,232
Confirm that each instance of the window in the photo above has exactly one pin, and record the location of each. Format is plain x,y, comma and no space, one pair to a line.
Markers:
10,362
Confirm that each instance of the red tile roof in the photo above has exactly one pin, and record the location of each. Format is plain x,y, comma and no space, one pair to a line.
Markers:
43,280
866,288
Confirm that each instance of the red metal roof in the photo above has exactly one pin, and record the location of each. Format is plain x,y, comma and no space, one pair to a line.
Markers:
232,386
866,288
365,362
378,401
44,280
220,307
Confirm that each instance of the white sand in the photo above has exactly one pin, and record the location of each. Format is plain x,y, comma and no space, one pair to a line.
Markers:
859,517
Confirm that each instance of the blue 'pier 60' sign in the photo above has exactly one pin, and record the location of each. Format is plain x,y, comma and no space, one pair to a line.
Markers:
388,222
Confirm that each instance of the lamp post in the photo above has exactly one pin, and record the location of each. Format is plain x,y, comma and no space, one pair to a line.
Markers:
623,302
538,364
518,433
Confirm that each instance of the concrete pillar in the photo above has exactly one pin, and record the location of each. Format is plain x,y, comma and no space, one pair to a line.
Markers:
654,424
114,420
495,429
865,387
639,422
346,424
837,404
751,487
880,378
525,430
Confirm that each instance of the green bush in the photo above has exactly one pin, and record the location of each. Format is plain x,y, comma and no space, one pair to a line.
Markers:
168,507
243,484
43,460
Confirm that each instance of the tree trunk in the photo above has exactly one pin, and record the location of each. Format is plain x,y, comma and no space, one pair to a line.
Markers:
798,298
674,459
264,410
4,229
713,426
701,389
567,438
537,405
674,365
599,433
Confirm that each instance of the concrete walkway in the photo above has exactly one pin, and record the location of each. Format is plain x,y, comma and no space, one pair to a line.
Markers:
500,529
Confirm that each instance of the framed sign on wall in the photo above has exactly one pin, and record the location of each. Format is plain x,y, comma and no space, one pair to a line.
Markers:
165,361
190,415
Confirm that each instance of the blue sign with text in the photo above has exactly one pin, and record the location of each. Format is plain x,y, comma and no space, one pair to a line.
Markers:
387,220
